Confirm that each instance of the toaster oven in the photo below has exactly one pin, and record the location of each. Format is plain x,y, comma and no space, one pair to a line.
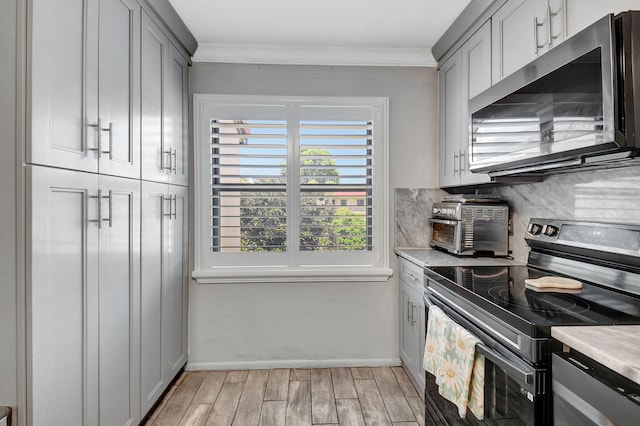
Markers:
468,228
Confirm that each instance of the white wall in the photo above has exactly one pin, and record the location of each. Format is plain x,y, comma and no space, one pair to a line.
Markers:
8,278
257,325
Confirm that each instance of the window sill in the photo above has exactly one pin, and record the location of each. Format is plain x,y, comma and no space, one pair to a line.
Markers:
290,275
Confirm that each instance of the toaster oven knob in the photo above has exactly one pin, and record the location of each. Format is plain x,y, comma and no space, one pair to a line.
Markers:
550,230
534,228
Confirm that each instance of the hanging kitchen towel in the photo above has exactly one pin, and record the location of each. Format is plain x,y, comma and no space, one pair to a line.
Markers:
476,388
451,357
434,345
457,368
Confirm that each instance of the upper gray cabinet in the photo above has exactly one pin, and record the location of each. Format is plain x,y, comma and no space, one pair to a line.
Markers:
464,75
164,107
524,29
83,96
514,36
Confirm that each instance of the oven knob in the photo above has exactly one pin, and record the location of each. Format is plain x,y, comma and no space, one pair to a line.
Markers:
550,230
436,211
534,228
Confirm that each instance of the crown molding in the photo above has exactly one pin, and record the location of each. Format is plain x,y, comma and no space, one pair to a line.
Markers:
314,55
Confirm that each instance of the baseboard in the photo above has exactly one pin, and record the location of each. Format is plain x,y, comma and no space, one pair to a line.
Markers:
302,363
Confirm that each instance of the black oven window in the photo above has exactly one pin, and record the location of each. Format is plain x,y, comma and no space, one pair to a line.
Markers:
506,402
444,233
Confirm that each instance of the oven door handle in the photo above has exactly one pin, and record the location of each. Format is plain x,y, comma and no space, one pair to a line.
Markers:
444,222
515,371
449,302
507,365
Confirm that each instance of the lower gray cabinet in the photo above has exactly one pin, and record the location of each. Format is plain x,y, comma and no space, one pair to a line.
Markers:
164,287
83,282
412,321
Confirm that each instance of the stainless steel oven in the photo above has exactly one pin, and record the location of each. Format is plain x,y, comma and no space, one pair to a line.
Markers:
514,390
513,321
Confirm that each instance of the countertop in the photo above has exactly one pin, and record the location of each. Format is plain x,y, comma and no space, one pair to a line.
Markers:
615,347
430,257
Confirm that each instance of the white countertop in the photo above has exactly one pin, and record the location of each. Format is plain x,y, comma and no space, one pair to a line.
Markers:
430,257
615,347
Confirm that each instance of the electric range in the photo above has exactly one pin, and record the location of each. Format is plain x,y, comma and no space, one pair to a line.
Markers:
514,320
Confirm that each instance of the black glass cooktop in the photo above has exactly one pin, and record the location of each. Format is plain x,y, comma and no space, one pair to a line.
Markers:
501,291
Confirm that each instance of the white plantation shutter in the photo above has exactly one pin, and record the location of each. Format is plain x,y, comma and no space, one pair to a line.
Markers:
291,182
336,182
248,185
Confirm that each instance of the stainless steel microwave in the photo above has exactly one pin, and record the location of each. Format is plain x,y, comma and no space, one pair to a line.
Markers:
576,105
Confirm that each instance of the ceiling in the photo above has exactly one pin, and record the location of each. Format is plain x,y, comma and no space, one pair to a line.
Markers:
349,32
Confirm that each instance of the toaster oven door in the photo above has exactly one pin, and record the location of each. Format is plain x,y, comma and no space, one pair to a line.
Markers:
446,234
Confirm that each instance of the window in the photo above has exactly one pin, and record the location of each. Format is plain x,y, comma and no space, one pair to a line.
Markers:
286,187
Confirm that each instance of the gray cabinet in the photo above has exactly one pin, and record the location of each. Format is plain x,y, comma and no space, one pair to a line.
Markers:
464,75
164,107
517,36
412,321
524,29
83,96
83,235
164,286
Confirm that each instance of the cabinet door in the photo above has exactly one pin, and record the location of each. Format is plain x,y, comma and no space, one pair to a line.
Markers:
406,331
153,275
422,331
518,36
176,114
118,85
175,289
119,290
153,56
57,125
476,77
580,13
449,128
62,297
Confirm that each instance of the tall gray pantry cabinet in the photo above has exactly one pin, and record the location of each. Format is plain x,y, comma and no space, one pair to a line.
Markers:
106,209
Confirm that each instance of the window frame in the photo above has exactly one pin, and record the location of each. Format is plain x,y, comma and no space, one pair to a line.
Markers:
292,266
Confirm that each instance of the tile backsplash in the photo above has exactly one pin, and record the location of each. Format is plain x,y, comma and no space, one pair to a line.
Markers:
412,213
601,196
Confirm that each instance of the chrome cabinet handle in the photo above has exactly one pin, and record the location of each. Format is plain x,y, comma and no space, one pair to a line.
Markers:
550,15
463,166
101,129
413,318
110,218
99,197
165,153
413,277
164,201
101,219
456,162
174,161
110,130
408,310
537,44
175,206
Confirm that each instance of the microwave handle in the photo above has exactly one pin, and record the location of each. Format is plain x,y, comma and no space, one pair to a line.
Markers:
444,222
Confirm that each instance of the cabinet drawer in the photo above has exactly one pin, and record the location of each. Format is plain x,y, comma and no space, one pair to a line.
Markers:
412,275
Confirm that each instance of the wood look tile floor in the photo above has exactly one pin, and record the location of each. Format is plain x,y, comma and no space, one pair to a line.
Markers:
337,396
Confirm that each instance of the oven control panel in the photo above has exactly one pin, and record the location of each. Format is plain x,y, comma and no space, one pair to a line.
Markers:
610,237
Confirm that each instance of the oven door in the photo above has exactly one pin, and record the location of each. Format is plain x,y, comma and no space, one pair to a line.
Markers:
447,234
514,392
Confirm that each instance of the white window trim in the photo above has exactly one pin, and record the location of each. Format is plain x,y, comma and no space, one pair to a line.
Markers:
205,273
